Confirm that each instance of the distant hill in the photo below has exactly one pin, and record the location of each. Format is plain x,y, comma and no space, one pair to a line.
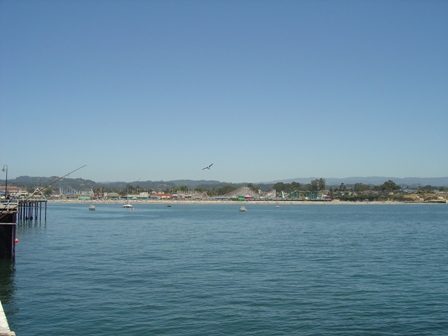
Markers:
377,180
81,184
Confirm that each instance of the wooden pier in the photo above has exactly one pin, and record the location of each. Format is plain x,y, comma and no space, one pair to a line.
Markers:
15,212
8,225
32,210
12,213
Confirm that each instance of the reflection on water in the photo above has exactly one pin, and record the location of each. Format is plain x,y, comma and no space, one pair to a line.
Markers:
31,222
7,285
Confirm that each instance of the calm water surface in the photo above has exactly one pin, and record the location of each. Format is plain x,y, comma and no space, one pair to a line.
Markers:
211,270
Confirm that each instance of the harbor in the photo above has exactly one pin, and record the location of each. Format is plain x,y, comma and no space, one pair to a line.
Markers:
14,212
195,269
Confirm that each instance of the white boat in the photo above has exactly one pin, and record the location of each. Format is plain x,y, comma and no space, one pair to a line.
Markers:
243,209
92,207
127,206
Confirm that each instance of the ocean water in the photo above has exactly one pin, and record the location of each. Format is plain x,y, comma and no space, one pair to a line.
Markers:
321,269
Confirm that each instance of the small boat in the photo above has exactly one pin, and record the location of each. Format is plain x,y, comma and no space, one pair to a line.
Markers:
243,209
92,207
127,206
168,205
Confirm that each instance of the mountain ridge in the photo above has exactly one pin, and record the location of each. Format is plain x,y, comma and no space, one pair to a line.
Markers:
192,184
376,180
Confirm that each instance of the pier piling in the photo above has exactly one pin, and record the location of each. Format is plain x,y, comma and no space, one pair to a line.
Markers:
8,224
14,212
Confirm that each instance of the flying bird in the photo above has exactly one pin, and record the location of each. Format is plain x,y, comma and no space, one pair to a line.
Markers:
208,167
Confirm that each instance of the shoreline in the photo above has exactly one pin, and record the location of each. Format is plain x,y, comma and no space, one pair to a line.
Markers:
213,202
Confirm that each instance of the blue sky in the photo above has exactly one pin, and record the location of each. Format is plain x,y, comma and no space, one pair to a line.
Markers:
265,90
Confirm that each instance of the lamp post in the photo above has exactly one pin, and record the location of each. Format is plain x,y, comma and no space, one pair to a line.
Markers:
5,169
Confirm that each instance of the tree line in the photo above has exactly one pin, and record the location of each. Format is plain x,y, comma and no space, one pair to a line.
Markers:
314,185
212,188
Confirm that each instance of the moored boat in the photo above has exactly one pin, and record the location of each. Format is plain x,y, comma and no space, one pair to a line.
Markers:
243,209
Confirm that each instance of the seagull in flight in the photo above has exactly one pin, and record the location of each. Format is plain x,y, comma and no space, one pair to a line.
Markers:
208,167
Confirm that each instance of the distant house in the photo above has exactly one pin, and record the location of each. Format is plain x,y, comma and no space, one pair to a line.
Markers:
191,194
13,191
143,196
159,196
112,196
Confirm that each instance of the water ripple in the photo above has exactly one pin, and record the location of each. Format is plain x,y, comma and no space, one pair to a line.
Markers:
210,270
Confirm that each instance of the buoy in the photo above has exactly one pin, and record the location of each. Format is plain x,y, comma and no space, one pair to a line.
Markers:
16,240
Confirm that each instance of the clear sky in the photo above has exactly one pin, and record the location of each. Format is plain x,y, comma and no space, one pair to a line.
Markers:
265,90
